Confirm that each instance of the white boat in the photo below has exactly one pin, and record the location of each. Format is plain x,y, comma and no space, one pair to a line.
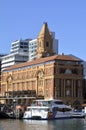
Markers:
78,113
47,109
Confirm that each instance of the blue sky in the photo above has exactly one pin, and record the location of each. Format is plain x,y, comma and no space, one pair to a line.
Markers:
24,19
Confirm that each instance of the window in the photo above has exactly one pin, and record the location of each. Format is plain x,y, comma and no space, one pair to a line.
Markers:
47,44
21,46
68,82
67,71
41,82
78,83
68,93
56,70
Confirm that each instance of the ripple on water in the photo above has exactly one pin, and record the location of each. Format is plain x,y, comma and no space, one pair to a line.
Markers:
71,124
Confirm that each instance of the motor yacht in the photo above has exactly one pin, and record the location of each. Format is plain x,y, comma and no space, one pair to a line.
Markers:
47,109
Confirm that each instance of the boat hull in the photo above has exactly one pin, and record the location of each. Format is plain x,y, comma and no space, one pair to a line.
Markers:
47,117
38,118
4,115
78,114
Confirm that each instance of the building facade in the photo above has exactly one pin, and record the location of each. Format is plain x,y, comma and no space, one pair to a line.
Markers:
1,55
56,77
48,76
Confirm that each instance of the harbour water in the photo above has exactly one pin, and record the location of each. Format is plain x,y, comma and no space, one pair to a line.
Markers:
66,124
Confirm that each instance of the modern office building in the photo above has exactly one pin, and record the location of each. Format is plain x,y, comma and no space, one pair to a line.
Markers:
1,55
32,49
55,43
18,53
20,46
48,76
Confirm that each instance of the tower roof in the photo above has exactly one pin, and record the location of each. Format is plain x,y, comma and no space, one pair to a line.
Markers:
44,30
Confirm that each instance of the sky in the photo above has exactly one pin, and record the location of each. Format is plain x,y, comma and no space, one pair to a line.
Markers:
23,19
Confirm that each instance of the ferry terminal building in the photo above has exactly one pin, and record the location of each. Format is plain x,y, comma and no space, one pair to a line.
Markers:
48,76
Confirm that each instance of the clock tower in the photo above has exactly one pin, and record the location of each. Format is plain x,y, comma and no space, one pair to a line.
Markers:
45,42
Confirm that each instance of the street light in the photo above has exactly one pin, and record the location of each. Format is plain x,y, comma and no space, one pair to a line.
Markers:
14,107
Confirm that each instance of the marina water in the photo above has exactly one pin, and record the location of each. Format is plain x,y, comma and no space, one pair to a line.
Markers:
66,124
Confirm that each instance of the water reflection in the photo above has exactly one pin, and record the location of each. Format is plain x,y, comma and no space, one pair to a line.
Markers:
68,124
39,125
71,124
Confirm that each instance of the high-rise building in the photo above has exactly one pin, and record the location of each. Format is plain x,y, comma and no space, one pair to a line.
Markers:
32,49
20,46
18,53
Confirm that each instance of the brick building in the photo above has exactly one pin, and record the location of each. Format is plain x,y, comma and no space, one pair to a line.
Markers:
48,76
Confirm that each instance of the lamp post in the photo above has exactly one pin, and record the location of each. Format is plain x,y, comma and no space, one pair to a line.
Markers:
14,107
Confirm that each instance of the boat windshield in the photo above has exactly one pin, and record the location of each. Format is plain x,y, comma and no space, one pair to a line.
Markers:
38,109
41,103
46,103
58,102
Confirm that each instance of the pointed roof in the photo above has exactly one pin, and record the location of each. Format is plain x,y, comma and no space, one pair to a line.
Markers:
44,30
